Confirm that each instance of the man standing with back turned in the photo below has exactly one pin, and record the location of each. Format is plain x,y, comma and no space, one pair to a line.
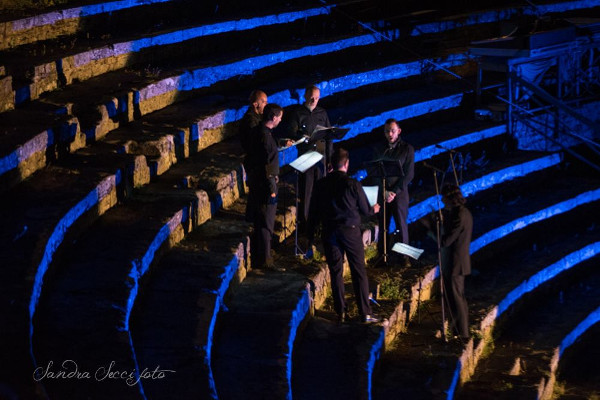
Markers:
338,202
456,257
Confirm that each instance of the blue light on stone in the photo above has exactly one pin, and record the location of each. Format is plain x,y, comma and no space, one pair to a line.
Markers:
431,151
205,77
592,319
298,315
454,383
539,278
410,111
140,266
230,271
22,153
227,26
429,205
58,234
522,222
374,354
547,274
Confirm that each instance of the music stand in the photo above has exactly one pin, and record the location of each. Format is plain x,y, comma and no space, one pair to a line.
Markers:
301,165
327,133
384,168
415,253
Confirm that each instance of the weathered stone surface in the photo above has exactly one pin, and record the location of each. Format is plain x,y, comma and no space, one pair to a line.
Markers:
189,285
100,282
7,95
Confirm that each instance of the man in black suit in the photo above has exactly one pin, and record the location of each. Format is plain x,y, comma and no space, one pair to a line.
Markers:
265,167
302,120
456,257
250,120
394,197
337,203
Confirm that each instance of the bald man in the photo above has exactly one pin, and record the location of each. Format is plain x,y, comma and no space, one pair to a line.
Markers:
302,120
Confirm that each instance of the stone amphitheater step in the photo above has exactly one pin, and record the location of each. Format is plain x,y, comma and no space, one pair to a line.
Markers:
526,352
252,353
78,58
46,66
39,215
114,19
494,172
57,195
80,64
213,261
306,361
54,22
578,376
96,120
173,323
31,138
216,169
436,373
98,281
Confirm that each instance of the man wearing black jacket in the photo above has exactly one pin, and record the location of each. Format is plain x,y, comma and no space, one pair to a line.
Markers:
250,120
394,197
456,256
302,121
265,169
337,203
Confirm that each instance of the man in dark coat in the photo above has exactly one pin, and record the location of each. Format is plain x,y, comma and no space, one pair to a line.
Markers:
338,202
302,121
252,117
250,120
265,166
456,257
394,197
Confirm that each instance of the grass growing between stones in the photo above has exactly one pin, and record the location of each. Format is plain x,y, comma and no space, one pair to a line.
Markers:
391,287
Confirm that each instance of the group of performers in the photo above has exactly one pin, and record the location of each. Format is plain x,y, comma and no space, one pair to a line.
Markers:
331,198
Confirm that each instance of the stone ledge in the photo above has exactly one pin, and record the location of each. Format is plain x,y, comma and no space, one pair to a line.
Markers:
101,289
546,386
473,351
60,22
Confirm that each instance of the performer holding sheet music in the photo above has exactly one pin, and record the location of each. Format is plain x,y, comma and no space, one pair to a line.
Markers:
395,195
265,168
338,202
301,121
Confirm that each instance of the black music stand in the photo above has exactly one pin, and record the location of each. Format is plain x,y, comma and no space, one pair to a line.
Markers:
301,165
415,254
328,134
384,168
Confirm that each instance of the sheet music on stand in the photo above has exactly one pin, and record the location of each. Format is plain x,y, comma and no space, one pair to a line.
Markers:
407,250
306,160
371,192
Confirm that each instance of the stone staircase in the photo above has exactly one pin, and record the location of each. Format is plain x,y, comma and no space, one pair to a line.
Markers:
122,181
513,241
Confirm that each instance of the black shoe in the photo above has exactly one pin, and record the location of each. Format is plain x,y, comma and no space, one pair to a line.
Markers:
369,319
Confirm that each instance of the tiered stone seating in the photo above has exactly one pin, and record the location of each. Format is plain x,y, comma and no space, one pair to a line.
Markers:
499,272
528,349
170,122
577,375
